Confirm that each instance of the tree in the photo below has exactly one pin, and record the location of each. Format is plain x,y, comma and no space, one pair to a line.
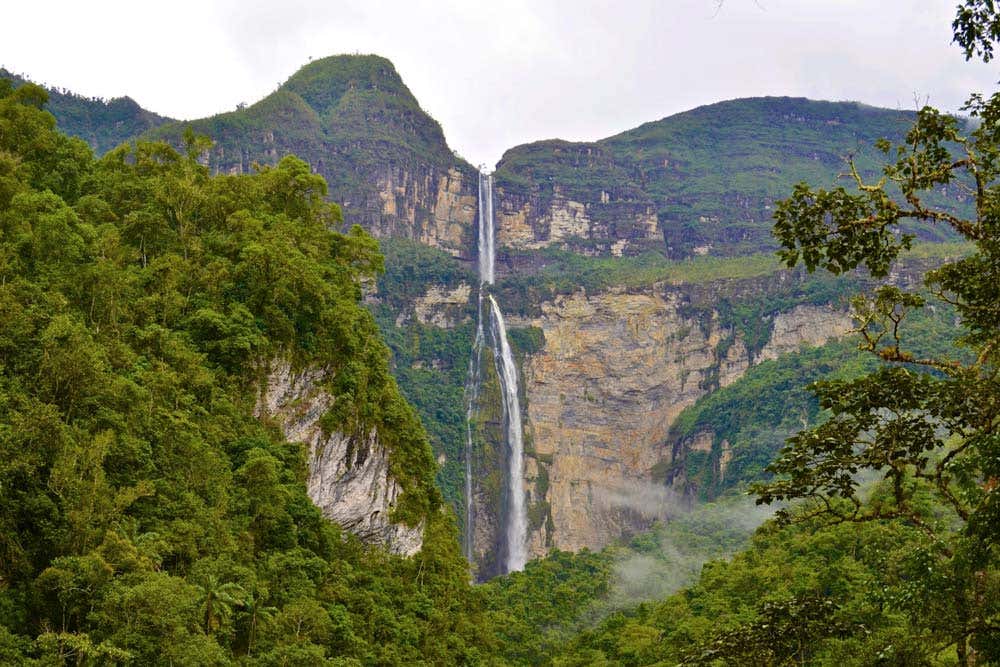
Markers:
927,428
782,635
218,600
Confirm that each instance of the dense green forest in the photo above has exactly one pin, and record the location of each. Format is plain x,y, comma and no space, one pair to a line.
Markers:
150,516
147,517
101,123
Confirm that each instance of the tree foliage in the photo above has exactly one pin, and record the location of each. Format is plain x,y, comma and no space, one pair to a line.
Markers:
925,427
146,515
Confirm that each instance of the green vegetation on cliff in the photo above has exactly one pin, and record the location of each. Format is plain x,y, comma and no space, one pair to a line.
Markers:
430,363
101,123
713,174
352,119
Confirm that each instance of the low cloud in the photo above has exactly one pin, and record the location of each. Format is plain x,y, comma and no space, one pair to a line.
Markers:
687,537
653,501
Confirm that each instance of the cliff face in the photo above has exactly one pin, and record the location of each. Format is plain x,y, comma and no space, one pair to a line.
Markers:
804,325
349,476
440,306
577,196
605,223
433,205
699,182
616,370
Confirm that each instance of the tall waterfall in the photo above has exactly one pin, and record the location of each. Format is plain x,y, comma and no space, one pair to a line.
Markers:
516,530
517,518
487,252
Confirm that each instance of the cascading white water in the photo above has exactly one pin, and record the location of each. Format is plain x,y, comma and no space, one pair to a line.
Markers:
517,520
487,254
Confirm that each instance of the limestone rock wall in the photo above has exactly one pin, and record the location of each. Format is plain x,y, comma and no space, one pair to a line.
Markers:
348,476
406,197
804,325
601,223
433,206
439,306
616,369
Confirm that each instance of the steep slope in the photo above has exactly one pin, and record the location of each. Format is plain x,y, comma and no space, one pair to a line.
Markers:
699,182
355,121
101,123
188,379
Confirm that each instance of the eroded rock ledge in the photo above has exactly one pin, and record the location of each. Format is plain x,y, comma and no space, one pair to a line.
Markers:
349,476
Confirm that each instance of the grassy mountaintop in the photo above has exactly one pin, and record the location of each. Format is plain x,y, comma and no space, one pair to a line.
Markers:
713,173
345,100
357,124
101,123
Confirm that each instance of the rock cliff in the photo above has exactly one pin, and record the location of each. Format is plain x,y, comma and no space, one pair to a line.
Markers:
440,307
608,225
616,370
430,204
804,325
700,182
349,476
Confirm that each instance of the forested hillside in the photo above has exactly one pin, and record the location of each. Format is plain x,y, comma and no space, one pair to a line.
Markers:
147,516
730,458
103,124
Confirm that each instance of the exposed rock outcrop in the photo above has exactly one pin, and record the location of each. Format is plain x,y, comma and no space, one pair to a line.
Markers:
611,224
804,325
434,206
349,476
439,307
355,122
616,370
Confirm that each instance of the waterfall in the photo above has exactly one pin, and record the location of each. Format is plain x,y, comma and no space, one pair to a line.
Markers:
516,530
487,253
517,519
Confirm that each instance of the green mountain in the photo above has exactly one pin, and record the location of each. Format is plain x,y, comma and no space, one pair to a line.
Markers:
699,182
386,161
184,358
101,123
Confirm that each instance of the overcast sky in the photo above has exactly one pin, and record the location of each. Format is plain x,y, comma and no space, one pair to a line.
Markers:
497,74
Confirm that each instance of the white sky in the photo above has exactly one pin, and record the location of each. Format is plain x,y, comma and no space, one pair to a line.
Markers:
500,73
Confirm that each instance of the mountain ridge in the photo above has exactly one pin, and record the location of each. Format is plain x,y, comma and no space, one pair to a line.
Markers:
102,123
701,181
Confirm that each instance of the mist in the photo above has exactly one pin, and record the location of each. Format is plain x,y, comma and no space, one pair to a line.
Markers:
685,536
